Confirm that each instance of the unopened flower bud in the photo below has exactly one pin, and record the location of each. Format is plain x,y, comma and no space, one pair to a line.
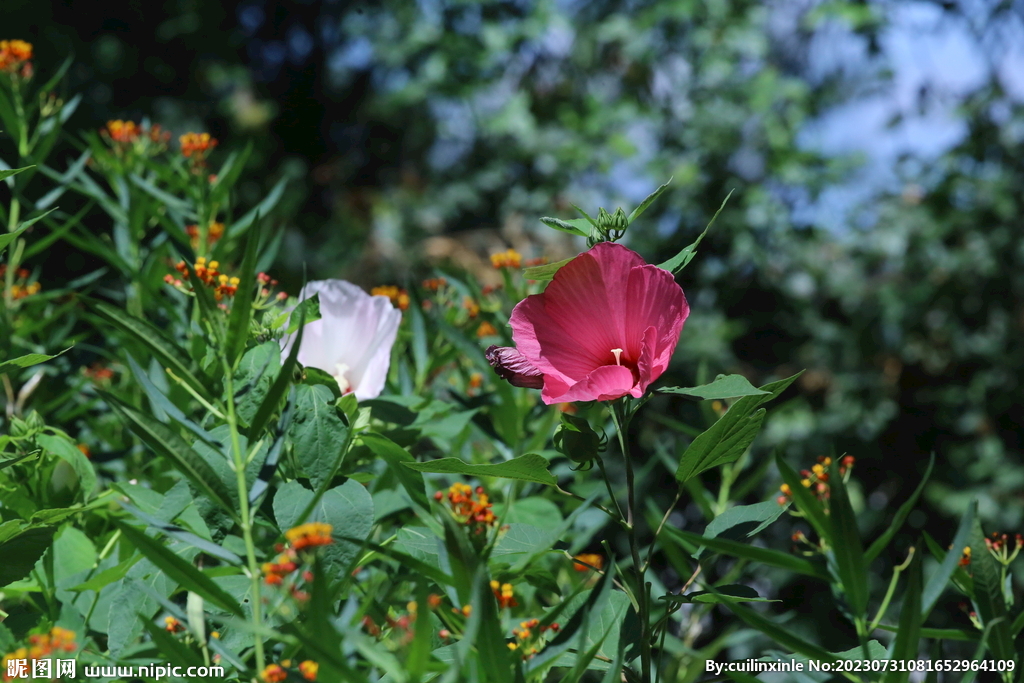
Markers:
512,366
577,440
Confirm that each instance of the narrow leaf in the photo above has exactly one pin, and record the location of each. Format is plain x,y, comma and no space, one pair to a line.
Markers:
724,386
648,201
530,467
901,515
680,260
545,272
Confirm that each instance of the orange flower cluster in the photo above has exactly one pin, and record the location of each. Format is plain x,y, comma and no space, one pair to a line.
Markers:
486,330
594,561
208,274
816,478
275,673
399,297
506,259
41,646
98,372
15,56
21,287
504,594
434,284
196,146
530,637
999,546
472,508
310,535
965,557
471,306
213,233
172,625
266,283
126,136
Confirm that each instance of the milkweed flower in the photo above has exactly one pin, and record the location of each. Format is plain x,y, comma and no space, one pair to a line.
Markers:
15,56
606,326
352,340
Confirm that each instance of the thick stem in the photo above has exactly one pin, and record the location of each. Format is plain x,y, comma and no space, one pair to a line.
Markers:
246,520
621,416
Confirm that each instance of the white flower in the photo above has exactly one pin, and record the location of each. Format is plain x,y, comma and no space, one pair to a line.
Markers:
352,340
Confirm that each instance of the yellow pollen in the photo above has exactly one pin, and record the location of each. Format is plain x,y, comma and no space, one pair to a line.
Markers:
617,353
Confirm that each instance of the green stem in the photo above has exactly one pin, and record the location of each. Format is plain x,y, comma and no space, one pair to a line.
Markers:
643,597
246,518
889,593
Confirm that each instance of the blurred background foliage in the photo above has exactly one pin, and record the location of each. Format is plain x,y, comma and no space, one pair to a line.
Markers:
874,237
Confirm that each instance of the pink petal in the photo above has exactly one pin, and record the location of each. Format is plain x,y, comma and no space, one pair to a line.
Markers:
606,383
571,328
645,364
655,300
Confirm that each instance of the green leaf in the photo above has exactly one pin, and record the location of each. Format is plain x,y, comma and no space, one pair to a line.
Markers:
254,377
907,641
22,551
564,226
988,595
66,450
166,351
724,386
5,174
309,307
28,360
277,390
8,237
742,521
772,558
530,467
184,573
680,260
936,583
545,272
901,515
721,594
396,456
806,502
262,209
317,432
846,545
347,508
241,305
165,441
729,437
648,201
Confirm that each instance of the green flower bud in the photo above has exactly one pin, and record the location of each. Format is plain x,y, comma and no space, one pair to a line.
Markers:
611,226
577,440
18,427
35,422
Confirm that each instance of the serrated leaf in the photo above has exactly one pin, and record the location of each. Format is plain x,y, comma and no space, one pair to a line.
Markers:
21,551
317,432
742,521
530,467
988,596
724,386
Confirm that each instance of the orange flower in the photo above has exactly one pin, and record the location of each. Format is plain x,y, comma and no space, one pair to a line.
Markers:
172,625
196,146
472,508
308,669
274,674
213,233
476,380
123,132
399,297
504,593
434,284
56,640
486,330
471,306
85,450
15,56
309,535
506,259
593,559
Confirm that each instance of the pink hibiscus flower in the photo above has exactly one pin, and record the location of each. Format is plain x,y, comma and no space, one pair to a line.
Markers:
606,326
